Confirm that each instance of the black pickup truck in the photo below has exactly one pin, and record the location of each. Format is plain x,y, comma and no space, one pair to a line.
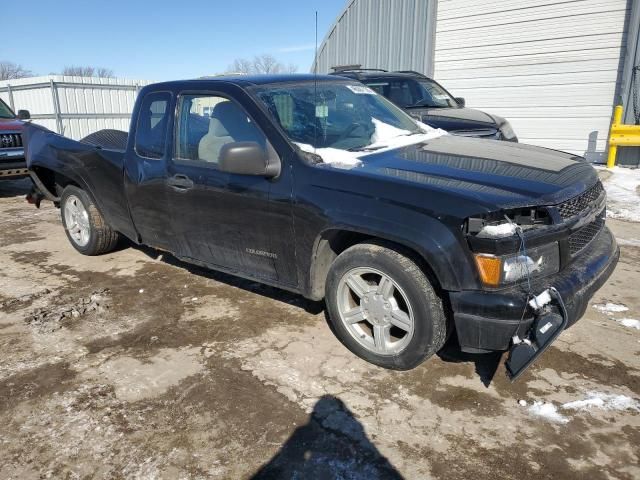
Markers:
318,185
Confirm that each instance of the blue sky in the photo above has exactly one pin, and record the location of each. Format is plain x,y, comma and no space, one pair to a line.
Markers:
163,39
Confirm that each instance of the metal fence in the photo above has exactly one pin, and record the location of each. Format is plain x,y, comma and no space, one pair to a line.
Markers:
74,106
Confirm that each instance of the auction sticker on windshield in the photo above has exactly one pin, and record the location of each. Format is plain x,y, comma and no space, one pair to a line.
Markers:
361,89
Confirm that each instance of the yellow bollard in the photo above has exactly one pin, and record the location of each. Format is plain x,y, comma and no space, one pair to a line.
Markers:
621,135
613,147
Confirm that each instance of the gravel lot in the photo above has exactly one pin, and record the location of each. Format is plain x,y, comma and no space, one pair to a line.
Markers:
135,365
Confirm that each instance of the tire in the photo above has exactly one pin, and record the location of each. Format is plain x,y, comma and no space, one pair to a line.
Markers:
108,138
79,215
410,302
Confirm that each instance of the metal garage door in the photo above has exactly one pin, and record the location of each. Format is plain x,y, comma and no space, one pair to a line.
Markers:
551,68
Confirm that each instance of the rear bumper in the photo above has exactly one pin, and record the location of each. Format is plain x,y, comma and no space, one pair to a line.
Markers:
486,321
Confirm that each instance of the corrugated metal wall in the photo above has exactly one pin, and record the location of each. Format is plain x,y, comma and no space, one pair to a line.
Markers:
389,34
630,155
74,106
551,68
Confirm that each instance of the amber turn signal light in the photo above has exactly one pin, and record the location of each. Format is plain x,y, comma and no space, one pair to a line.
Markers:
490,268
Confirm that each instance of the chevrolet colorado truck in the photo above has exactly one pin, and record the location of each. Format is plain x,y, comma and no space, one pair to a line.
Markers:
12,162
320,186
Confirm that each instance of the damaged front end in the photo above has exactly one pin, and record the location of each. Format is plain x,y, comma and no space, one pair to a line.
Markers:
537,268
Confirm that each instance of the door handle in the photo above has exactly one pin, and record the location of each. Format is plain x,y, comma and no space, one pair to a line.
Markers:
180,182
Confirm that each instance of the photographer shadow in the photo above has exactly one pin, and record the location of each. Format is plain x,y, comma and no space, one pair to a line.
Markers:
332,444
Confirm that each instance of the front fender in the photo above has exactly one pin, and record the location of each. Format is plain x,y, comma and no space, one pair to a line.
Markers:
432,239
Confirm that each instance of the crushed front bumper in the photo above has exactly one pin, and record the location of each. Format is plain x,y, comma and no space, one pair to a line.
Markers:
487,320
13,163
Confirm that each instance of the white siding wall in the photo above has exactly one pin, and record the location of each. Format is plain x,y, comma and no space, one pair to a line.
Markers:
86,104
550,67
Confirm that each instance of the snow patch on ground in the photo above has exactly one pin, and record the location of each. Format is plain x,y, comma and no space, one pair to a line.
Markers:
623,201
630,242
610,308
548,411
603,401
593,400
630,322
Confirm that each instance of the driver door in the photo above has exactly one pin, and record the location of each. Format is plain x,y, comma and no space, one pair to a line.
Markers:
219,218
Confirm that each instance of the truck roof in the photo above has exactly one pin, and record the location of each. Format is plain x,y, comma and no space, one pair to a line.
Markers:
247,80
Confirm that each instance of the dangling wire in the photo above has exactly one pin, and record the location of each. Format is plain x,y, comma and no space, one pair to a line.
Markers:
522,251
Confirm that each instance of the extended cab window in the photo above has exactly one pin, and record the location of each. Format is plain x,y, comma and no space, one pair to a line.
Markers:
151,131
207,123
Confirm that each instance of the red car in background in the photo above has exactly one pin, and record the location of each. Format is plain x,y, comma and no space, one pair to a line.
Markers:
12,162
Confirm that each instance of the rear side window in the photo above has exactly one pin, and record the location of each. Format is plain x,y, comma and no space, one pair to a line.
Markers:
151,131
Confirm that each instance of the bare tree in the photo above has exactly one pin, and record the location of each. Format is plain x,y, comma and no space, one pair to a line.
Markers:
104,72
265,63
87,71
10,70
241,65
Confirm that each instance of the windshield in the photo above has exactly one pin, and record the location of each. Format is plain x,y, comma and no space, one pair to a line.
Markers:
335,115
5,111
410,93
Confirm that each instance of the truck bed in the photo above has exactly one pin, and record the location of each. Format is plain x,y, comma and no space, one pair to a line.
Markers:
98,170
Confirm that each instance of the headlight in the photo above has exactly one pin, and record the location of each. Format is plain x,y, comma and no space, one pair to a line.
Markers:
507,130
502,270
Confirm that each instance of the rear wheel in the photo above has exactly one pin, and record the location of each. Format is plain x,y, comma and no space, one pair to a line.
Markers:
383,307
83,223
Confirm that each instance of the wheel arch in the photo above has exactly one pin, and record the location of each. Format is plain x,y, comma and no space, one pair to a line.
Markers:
333,241
51,182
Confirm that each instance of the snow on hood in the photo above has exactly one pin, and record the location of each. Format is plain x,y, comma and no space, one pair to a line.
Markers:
385,137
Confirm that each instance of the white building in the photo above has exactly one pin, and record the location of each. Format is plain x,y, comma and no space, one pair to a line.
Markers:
555,69
74,106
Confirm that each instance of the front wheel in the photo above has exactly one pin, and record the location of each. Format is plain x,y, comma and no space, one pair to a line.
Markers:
83,223
383,308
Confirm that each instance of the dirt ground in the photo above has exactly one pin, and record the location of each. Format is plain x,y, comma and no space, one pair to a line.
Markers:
134,365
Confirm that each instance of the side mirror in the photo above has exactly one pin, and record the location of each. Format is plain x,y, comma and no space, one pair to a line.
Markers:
460,101
248,158
24,115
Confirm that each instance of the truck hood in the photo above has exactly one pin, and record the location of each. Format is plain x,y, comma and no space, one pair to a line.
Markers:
489,173
454,119
10,124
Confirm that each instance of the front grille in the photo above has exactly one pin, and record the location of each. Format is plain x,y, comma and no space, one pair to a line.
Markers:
10,140
581,238
580,203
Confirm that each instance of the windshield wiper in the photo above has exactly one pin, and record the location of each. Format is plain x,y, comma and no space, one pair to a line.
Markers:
424,104
365,149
